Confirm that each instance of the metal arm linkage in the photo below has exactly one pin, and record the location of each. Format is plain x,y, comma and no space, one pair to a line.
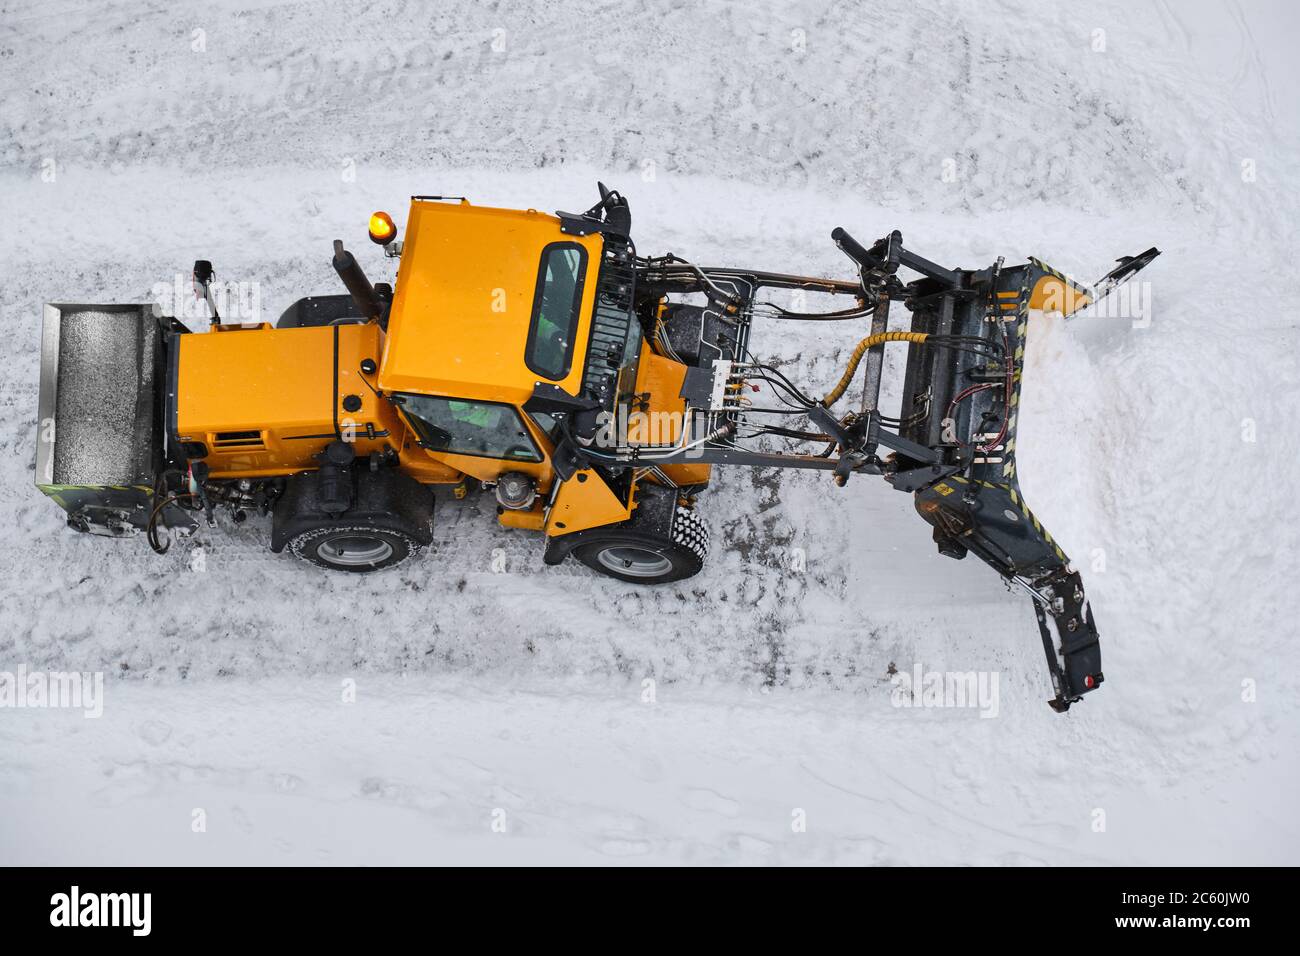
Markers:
952,443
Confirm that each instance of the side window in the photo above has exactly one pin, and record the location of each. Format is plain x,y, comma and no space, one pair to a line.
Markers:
548,424
556,304
487,429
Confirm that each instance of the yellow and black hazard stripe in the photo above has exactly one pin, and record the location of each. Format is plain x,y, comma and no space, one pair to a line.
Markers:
1058,274
947,487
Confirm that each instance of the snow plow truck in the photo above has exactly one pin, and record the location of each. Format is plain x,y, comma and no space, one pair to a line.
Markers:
590,389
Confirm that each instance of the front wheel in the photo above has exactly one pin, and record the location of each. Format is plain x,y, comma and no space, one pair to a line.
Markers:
357,549
642,557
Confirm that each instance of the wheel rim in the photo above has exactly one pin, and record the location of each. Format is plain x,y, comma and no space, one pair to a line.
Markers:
637,562
352,550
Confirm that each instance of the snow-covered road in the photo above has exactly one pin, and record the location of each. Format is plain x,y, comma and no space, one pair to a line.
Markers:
441,770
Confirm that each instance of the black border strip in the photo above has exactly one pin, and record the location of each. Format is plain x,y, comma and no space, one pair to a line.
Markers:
337,434
274,904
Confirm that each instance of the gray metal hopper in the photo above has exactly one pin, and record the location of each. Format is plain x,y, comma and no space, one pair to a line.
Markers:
99,430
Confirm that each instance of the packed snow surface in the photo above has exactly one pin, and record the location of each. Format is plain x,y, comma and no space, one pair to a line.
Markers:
475,706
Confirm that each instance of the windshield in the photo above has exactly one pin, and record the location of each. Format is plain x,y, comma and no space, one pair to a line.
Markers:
485,429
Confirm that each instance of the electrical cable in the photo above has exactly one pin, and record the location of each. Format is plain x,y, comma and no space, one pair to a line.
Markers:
151,529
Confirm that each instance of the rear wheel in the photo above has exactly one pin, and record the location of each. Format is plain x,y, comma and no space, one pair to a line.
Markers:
354,548
643,557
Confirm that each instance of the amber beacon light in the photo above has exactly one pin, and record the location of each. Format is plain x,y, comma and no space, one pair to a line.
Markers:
382,229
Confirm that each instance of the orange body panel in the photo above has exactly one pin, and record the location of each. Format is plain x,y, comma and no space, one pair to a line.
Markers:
583,502
264,401
1053,295
661,378
464,298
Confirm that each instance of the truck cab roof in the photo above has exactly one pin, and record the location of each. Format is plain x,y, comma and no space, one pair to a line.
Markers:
489,302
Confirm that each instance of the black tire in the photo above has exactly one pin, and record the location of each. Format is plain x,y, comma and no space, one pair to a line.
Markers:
355,548
641,557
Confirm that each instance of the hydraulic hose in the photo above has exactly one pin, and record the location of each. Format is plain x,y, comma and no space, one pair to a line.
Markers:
871,341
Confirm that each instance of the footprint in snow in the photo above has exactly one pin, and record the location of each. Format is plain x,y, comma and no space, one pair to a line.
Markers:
286,782
746,845
378,787
155,733
403,795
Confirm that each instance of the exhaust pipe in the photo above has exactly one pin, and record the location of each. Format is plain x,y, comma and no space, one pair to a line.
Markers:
363,293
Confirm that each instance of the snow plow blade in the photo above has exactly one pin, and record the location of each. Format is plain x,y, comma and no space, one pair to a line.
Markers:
981,509
992,520
99,444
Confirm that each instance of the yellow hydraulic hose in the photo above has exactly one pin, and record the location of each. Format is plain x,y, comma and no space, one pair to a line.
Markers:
871,341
